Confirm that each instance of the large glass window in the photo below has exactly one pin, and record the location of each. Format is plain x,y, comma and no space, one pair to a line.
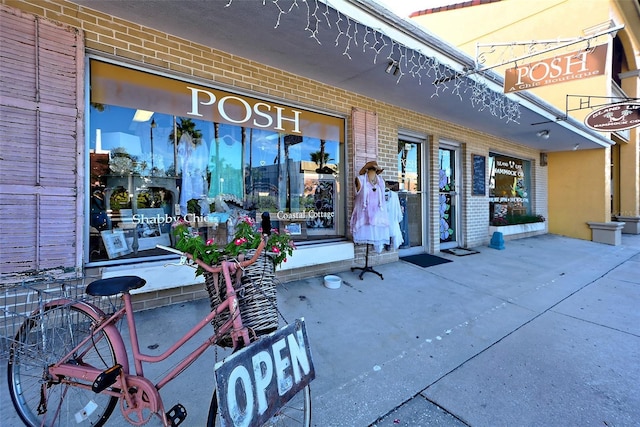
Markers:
509,187
150,166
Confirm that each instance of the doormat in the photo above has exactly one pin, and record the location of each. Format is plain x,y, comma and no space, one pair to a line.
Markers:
460,251
425,260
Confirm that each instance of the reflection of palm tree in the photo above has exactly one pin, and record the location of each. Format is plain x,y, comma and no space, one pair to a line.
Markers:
321,158
188,126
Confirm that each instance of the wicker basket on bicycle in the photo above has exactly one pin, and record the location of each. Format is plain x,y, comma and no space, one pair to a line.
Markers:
256,292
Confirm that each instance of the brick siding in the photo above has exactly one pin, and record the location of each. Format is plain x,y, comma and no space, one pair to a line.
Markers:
135,44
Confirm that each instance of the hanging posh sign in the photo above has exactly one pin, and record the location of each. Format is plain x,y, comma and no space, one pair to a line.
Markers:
613,118
559,69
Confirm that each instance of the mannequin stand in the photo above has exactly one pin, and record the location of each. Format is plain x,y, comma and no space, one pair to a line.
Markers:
366,267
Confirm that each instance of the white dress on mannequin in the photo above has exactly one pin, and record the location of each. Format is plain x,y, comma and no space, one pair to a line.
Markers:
395,217
370,220
192,163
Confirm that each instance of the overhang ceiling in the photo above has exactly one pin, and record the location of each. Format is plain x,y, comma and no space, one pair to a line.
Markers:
259,31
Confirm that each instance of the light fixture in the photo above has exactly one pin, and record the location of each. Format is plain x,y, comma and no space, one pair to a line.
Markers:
543,159
142,115
390,67
598,28
543,134
575,147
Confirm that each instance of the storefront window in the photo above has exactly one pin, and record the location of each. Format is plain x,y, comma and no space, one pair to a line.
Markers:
509,187
224,156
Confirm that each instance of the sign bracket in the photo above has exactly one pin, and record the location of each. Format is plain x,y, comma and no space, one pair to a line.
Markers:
531,46
589,101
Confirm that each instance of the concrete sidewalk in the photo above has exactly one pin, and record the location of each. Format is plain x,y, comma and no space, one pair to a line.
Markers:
543,333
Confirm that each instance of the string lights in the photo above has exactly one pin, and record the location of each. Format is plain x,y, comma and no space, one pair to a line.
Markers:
351,34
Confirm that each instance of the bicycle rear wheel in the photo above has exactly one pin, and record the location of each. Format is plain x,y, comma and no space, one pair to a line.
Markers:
44,339
297,412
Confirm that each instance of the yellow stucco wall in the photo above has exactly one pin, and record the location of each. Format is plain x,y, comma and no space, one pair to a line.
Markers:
580,184
578,191
541,20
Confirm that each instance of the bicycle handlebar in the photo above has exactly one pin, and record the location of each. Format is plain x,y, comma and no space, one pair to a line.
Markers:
213,269
169,249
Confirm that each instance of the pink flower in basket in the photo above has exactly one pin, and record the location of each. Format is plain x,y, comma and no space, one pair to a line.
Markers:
245,239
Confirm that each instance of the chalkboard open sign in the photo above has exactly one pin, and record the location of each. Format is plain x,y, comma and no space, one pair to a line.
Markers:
479,181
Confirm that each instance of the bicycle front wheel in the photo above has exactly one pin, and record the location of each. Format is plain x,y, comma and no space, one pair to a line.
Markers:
43,339
296,413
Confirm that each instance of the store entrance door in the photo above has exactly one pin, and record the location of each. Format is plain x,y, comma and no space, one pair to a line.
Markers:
412,197
448,197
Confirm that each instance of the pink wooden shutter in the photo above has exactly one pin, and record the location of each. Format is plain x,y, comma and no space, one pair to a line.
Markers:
365,137
40,149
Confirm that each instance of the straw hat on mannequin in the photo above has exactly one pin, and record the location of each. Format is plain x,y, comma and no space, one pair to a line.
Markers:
371,169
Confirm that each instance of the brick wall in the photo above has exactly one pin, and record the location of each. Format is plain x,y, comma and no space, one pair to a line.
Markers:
143,46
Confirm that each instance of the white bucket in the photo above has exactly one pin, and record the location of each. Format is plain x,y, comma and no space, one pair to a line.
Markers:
332,282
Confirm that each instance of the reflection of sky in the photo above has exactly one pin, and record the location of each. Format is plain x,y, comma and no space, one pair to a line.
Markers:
264,144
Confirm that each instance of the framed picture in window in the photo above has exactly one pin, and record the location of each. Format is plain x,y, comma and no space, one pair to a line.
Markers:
145,229
115,243
297,230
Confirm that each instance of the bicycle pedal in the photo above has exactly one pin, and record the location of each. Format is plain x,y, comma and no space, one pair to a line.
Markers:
176,415
106,378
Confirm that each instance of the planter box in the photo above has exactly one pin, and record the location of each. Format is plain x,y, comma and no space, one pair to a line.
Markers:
519,231
631,224
606,232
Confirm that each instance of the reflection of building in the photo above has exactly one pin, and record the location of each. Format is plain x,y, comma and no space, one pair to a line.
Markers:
411,181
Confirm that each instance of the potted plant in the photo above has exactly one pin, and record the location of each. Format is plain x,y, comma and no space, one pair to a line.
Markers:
246,238
257,302
512,219
517,225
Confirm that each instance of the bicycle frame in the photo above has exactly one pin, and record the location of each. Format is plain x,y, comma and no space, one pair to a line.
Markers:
125,381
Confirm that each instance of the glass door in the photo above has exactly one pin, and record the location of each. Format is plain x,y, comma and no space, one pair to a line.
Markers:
411,195
448,197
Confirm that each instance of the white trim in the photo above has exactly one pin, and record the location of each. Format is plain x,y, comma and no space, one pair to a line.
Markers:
412,136
161,275
313,255
447,143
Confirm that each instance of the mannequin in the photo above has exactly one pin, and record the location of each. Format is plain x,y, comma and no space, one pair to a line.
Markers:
369,220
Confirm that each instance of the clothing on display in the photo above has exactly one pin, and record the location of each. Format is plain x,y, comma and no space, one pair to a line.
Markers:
395,217
192,161
224,178
370,220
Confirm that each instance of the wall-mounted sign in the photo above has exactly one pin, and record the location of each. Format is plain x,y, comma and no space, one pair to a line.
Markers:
612,118
115,85
559,69
479,186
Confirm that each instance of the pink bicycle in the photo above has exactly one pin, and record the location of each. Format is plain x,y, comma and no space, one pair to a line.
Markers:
68,365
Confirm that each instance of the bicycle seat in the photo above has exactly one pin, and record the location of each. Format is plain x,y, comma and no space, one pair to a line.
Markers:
114,285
